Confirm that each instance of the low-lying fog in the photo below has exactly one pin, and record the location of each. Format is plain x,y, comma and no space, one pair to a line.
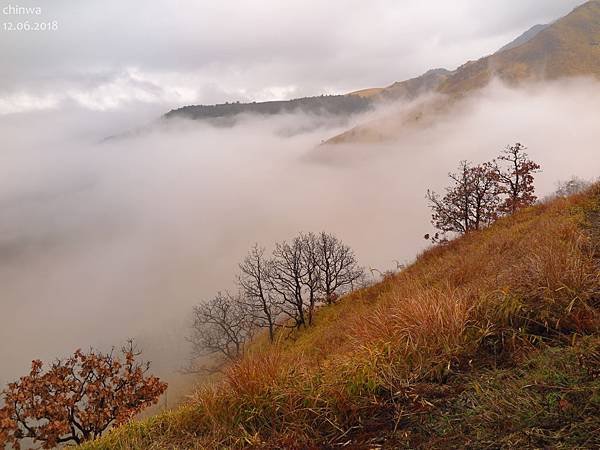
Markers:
101,242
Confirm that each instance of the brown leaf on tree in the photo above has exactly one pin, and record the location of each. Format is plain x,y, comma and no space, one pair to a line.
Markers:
77,398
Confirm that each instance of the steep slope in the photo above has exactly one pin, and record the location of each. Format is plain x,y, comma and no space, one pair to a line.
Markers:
568,47
525,37
409,89
491,341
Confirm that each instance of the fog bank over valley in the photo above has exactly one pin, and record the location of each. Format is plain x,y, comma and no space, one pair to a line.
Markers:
104,241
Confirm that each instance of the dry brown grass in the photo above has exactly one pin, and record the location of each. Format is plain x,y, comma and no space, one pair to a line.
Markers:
485,300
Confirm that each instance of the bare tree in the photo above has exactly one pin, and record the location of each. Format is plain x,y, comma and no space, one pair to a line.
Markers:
339,269
289,277
310,269
299,274
470,203
310,256
221,328
516,178
261,302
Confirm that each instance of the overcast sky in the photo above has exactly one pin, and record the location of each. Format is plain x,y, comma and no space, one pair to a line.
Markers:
110,54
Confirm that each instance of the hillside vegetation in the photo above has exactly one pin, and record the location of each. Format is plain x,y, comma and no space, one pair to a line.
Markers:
489,341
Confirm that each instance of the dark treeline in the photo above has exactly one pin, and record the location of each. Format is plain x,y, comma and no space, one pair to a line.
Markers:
274,291
340,105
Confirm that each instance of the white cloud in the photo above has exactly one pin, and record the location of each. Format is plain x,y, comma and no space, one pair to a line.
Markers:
24,102
122,90
208,52
123,238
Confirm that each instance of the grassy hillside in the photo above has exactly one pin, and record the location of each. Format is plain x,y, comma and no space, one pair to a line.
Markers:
490,341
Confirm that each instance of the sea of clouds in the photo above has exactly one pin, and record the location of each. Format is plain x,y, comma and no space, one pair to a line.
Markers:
102,241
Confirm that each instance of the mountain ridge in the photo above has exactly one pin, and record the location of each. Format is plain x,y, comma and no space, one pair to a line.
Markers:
568,47
318,105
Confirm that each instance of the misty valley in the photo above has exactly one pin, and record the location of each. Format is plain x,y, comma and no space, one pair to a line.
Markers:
312,241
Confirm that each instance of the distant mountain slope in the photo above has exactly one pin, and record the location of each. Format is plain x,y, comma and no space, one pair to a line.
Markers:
409,89
335,105
344,105
368,92
568,47
525,37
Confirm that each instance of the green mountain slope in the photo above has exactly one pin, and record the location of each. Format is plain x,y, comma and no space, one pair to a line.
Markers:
491,341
